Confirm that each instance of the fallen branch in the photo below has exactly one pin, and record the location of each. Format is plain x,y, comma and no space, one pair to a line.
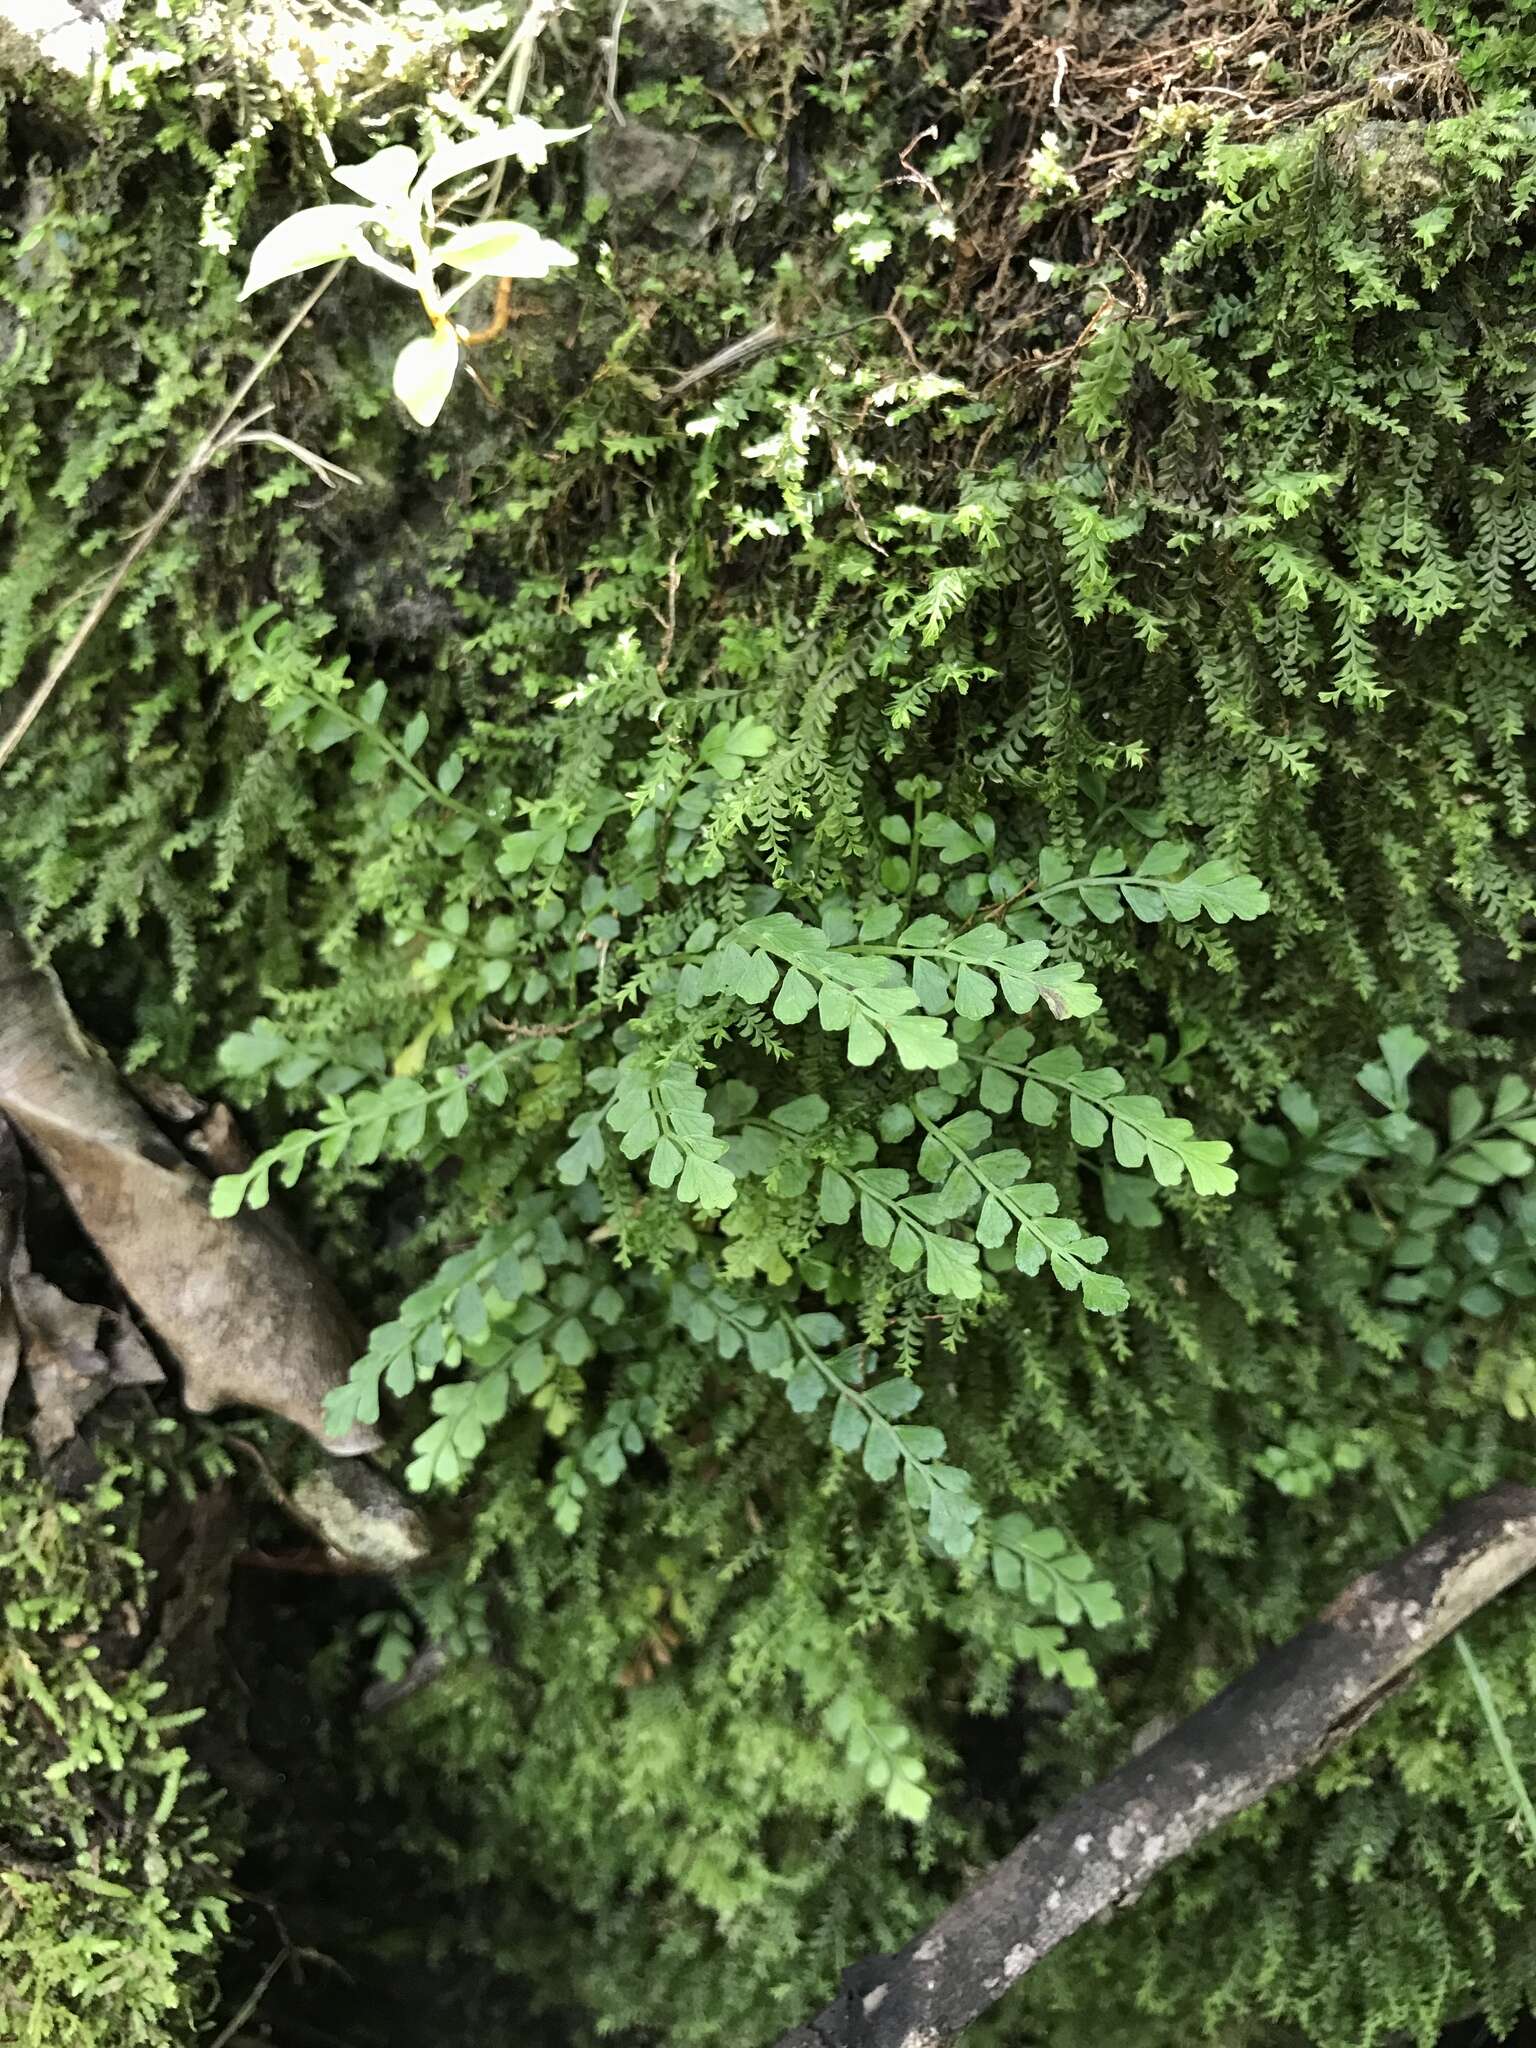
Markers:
1300,1700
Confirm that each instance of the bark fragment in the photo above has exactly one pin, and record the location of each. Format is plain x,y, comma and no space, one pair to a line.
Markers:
250,1319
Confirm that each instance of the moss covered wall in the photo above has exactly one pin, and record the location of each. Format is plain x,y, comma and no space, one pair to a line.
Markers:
1136,478
114,1850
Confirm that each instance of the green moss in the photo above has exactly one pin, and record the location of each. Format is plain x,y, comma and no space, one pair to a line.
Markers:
1197,507
113,1851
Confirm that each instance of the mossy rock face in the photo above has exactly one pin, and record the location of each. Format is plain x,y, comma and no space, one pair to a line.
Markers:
678,186
711,29
114,1849
1211,518
1392,163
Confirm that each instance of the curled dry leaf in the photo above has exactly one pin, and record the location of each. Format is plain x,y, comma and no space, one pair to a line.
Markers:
251,1321
75,1353
205,1130
216,1144
13,1195
69,1372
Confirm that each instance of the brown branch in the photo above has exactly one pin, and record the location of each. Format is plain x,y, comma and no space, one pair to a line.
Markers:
1297,1703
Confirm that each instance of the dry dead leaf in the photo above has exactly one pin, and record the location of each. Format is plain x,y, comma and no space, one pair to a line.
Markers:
216,1144
75,1353
13,1195
205,1130
68,1372
133,1363
250,1319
